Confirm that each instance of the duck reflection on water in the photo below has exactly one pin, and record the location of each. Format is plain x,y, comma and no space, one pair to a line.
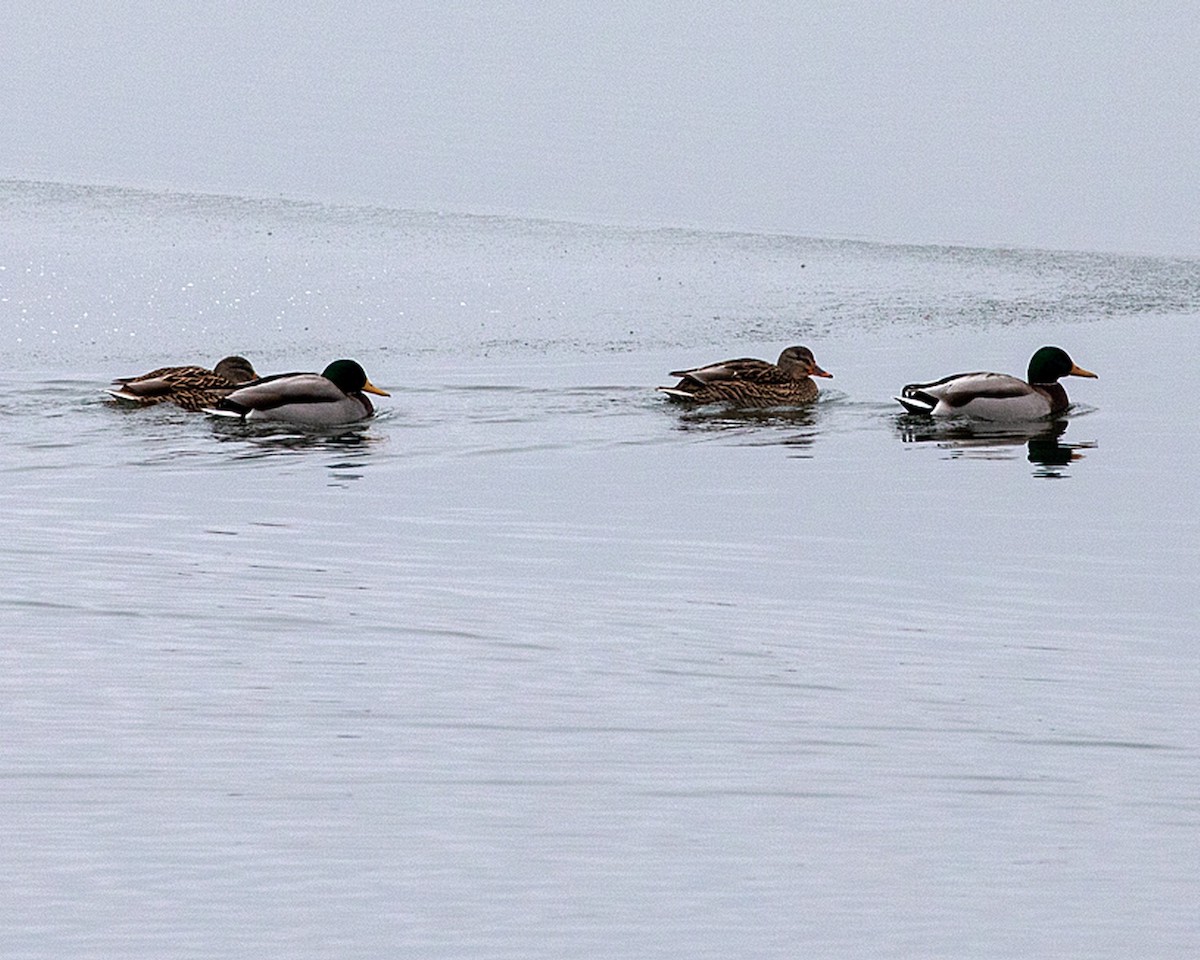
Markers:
800,423
349,450
994,441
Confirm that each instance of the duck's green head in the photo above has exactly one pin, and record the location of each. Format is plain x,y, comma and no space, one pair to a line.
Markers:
1050,363
351,378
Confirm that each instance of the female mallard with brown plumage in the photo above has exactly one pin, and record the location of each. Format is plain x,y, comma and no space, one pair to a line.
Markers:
998,396
751,383
190,387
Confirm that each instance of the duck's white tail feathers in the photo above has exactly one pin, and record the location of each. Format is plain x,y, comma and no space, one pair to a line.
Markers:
916,403
124,396
676,392
223,414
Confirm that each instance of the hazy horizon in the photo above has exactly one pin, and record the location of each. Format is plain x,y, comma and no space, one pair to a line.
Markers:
1013,126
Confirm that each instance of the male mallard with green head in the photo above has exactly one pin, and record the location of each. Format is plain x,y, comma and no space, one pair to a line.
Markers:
332,398
998,396
751,383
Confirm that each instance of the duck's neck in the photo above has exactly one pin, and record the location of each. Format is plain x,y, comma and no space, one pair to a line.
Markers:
1057,395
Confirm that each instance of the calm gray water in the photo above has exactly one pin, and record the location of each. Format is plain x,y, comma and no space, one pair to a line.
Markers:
536,665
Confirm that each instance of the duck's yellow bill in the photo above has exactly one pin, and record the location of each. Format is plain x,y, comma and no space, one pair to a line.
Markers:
1078,371
369,387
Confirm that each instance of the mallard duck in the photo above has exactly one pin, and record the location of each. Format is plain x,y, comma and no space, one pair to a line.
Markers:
749,382
192,388
328,399
998,396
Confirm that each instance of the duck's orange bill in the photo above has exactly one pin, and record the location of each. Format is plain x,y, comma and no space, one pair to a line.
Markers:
369,387
818,372
1078,371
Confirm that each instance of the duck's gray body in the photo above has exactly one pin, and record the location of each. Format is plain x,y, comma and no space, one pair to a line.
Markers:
985,396
330,399
998,397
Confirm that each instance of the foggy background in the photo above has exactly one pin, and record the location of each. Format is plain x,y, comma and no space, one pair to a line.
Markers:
1070,125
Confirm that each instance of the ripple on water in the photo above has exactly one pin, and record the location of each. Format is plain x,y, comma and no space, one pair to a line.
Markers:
534,630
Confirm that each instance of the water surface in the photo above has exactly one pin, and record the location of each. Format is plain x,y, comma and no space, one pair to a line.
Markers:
536,664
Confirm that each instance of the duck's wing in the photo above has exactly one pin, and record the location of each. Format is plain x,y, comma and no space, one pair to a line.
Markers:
164,379
281,389
168,383
157,374
985,396
743,368
961,389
